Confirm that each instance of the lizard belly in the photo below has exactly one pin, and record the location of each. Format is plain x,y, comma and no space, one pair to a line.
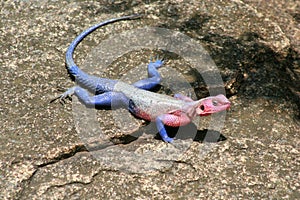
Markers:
148,105
150,108
143,115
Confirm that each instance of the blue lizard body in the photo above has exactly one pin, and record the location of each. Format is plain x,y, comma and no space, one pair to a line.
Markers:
164,110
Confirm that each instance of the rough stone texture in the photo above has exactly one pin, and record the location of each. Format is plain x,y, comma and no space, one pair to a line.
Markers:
254,43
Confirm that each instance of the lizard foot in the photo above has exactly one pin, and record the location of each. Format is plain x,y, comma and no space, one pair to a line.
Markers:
66,95
167,139
183,97
157,62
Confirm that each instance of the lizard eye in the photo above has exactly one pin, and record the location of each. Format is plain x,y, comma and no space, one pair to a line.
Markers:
215,103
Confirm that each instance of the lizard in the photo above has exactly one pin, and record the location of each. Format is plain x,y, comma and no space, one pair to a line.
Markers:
164,110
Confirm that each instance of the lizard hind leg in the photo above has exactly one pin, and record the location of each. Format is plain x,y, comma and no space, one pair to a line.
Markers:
104,100
154,78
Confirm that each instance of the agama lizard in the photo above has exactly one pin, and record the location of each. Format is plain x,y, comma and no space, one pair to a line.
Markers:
164,110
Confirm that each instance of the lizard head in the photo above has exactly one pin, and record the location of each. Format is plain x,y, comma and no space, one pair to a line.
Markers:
212,104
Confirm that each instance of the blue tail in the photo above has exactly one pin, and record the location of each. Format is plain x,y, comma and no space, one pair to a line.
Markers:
94,84
71,66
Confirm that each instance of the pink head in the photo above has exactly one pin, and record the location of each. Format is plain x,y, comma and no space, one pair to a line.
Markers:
212,105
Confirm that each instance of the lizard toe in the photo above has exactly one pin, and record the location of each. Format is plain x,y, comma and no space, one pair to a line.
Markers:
168,139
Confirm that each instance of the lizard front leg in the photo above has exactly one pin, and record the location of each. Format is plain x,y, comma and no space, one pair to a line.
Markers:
154,77
175,119
183,97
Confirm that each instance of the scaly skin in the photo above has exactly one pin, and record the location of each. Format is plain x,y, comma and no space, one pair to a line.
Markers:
164,110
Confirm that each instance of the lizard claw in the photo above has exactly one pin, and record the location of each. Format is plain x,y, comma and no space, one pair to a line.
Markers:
156,63
168,139
159,58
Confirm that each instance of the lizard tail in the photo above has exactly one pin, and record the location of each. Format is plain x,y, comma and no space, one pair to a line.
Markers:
70,64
